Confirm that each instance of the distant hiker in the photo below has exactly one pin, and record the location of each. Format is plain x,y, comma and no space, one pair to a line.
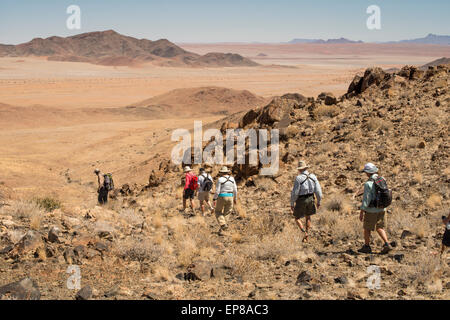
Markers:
377,197
105,185
303,203
224,198
190,188
205,183
446,238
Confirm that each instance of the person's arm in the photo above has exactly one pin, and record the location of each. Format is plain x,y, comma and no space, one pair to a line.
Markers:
99,181
201,178
235,191
366,197
216,195
294,193
318,192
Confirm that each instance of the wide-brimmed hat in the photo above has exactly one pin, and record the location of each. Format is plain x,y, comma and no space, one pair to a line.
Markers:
302,165
187,169
370,168
224,169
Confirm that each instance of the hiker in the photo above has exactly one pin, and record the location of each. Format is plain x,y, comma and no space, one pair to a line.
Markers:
205,183
190,188
373,214
304,194
105,185
446,238
224,198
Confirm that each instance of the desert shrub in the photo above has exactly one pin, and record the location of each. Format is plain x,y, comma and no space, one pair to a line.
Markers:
340,226
421,268
263,224
139,250
48,204
421,228
131,217
399,220
239,263
338,203
275,246
187,251
25,209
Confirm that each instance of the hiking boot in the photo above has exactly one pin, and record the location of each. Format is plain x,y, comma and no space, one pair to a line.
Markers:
365,249
386,248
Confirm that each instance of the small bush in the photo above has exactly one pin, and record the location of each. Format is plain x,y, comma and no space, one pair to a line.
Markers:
48,204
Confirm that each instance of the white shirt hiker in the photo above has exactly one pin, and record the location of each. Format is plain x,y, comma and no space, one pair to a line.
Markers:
226,184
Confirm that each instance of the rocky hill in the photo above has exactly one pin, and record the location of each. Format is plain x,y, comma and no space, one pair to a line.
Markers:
437,62
201,101
141,247
112,48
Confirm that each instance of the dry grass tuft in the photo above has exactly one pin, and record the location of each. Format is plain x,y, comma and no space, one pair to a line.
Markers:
434,201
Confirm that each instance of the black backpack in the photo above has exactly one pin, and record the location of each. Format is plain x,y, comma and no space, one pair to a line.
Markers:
108,182
207,184
383,195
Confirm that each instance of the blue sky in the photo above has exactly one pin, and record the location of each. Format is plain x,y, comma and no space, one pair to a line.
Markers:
226,21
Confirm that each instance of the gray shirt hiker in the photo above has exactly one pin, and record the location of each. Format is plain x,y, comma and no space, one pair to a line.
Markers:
306,183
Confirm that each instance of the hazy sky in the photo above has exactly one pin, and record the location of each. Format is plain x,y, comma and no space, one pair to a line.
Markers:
226,20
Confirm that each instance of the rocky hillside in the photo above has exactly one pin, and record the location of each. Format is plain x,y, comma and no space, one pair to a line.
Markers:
112,48
142,247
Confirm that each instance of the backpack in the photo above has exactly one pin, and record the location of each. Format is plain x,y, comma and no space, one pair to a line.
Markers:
383,195
207,184
193,185
108,182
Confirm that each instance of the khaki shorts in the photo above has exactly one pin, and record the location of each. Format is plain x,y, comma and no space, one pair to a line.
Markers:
373,221
203,196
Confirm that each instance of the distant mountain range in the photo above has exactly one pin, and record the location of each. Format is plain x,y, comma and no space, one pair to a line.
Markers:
329,41
112,48
429,39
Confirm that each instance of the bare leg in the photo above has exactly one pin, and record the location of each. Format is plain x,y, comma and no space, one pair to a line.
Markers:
299,224
367,237
308,227
382,235
202,207
184,204
442,250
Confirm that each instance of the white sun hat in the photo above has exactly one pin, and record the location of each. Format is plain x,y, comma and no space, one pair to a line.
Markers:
370,168
187,169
